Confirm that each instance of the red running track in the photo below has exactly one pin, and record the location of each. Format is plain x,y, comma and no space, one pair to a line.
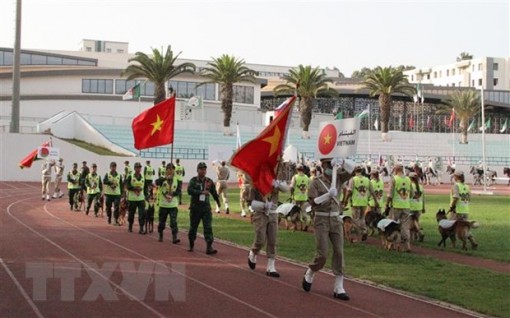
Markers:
58,263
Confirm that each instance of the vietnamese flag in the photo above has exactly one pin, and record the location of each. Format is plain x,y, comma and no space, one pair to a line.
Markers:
32,156
155,126
259,157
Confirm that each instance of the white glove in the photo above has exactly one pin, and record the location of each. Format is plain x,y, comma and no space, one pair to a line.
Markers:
283,186
258,206
349,165
268,205
333,192
276,184
323,198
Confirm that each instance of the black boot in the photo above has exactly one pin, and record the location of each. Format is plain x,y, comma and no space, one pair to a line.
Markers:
141,230
191,246
210,250
160,237
130,228
175,240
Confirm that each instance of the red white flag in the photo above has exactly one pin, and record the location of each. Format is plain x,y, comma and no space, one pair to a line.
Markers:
452,119
155,126
259,157
32,156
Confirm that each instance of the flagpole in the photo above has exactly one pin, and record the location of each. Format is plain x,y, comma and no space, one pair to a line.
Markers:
453,132
369,132
484,164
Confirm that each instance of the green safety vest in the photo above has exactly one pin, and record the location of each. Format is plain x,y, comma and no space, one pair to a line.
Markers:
132,196
149,173
465,198
93,180
301,187
74,177
179,172
360,191
108,189
417,203
378,189
167,189
127,172
402,190
162,171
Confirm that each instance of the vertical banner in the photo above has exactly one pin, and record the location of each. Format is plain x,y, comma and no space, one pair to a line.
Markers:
338,138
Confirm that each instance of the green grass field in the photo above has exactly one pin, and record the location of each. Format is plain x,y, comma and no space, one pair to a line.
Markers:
476,289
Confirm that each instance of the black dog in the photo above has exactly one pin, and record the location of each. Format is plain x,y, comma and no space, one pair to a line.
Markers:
149,220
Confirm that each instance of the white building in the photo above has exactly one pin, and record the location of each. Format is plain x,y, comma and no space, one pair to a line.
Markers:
491,73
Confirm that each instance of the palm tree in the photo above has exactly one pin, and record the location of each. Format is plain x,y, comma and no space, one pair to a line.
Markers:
310,83
226,71
466,104
158,69
386,81
464,56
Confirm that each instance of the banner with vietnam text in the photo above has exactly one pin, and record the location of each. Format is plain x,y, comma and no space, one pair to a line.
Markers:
338,138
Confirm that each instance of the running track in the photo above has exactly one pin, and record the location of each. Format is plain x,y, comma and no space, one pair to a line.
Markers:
55,263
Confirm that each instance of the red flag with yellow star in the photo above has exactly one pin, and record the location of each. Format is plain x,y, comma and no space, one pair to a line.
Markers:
259,157
155,126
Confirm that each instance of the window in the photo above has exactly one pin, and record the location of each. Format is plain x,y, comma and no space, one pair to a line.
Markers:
120,51
108,50
435,74
453,72
428,76
473,83
480,66
99,86
243,94
88,49
480,82
495,82
495,66
447,72
453,84
412,78
122,86
189,89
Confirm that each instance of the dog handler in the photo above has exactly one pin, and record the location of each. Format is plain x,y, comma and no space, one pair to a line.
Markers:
168,201
136,198
328,225
112,182
200,189
459,202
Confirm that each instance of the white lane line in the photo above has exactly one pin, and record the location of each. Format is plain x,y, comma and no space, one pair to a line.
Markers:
21,290
140,255
80,261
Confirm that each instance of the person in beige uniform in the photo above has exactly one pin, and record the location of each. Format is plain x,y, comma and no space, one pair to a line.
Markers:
59,173
265,224
46,179
223,173
323,197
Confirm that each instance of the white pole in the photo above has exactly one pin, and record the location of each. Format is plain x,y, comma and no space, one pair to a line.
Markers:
369,131
484,164
453,132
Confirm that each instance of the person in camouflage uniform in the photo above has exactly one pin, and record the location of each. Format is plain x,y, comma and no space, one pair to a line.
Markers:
200,189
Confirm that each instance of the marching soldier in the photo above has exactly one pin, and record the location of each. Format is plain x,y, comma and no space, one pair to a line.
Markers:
180,173
112,190
328,225
223,173
94,187
200,189
46,179
168,201
265,224
73,185
59,173
244,192
162,170
136,198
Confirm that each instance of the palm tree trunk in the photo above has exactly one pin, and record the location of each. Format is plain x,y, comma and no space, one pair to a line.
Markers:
463,127
226,107
160,93
385,106
306,116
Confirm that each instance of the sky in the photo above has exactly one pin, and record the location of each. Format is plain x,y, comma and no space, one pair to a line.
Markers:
346,34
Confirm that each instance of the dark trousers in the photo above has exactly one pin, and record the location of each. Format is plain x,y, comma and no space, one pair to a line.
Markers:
195,217
72,192
132,206
115,200
163,214
93,197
